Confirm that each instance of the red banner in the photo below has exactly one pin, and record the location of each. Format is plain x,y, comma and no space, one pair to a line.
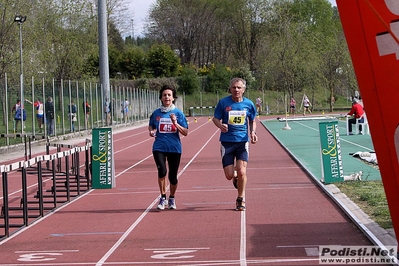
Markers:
372,32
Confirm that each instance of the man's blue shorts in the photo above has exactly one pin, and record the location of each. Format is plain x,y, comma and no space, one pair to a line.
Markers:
234,150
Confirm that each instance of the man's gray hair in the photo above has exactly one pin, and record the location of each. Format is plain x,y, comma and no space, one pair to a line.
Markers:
234,80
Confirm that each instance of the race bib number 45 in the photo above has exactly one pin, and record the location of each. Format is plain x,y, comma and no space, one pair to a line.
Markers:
166,126
237,117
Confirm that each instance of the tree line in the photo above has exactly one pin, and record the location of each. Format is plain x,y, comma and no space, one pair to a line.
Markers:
284,45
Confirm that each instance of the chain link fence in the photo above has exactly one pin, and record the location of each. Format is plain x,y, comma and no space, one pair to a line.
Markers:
78,106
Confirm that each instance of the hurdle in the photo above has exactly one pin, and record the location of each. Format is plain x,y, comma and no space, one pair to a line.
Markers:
34,205
201,111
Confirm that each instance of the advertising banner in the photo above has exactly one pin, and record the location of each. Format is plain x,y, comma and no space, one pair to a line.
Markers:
331,159
371,29
102,160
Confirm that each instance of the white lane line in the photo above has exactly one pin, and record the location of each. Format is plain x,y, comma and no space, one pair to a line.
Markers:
31,186
243,240
45,251
341,139
131,228
65,205
72,201
86,234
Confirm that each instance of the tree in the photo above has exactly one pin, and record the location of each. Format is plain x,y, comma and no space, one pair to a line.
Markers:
290,49
10,48
185,26
218,78
189,81
64,35
328,42
134,62
162,61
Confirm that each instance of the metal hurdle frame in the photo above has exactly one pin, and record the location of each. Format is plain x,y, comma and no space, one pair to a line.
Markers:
202,111
23,213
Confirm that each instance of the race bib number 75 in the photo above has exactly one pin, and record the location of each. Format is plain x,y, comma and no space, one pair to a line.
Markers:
237,117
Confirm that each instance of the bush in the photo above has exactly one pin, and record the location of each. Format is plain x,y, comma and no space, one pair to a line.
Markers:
189,81
218,78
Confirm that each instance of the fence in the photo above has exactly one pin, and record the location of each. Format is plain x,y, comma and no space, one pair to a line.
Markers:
140,103
126,105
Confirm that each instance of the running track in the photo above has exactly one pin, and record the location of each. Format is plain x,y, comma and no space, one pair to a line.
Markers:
287,215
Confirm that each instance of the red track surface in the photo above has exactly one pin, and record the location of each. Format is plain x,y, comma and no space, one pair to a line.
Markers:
287,216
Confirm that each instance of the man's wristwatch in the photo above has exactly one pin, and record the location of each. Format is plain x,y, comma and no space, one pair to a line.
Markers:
253,131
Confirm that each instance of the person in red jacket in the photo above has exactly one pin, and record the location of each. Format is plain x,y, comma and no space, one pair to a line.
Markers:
357,112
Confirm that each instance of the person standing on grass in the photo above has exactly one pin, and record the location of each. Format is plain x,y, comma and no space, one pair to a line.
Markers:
72,115
125,110
292,106
235,117
86,107
19,114
106,111
112,106
39,106
50,113
165,125
258,105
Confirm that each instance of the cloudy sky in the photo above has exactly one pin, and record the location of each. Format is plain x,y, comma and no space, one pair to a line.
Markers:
140,9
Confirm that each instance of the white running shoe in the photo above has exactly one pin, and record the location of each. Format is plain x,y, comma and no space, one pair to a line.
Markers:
172,203
162,204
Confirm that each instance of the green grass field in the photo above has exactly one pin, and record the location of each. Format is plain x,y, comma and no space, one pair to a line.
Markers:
370,197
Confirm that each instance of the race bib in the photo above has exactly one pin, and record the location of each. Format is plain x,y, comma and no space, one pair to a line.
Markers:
237,117
166,126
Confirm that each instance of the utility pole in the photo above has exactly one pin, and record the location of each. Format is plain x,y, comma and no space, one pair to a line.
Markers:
103,43
21,19
132,25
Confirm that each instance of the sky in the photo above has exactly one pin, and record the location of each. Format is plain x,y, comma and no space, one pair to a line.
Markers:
141,11
141,8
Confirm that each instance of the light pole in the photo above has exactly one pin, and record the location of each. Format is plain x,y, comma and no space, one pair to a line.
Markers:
21,19
132,25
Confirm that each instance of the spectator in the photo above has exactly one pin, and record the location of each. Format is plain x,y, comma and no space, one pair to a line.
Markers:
39,107
292,106
72,115
357,112
125,110
86,108
306,105
258,105
50,113
19,114
112,107
106,111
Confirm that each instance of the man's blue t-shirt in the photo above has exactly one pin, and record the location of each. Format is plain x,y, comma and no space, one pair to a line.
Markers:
235,115
167,137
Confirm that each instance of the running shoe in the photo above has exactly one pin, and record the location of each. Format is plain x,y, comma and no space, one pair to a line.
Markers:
162,204
235,180
239,204
172,203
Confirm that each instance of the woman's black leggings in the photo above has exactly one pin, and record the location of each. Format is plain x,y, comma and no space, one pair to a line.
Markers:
173,164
